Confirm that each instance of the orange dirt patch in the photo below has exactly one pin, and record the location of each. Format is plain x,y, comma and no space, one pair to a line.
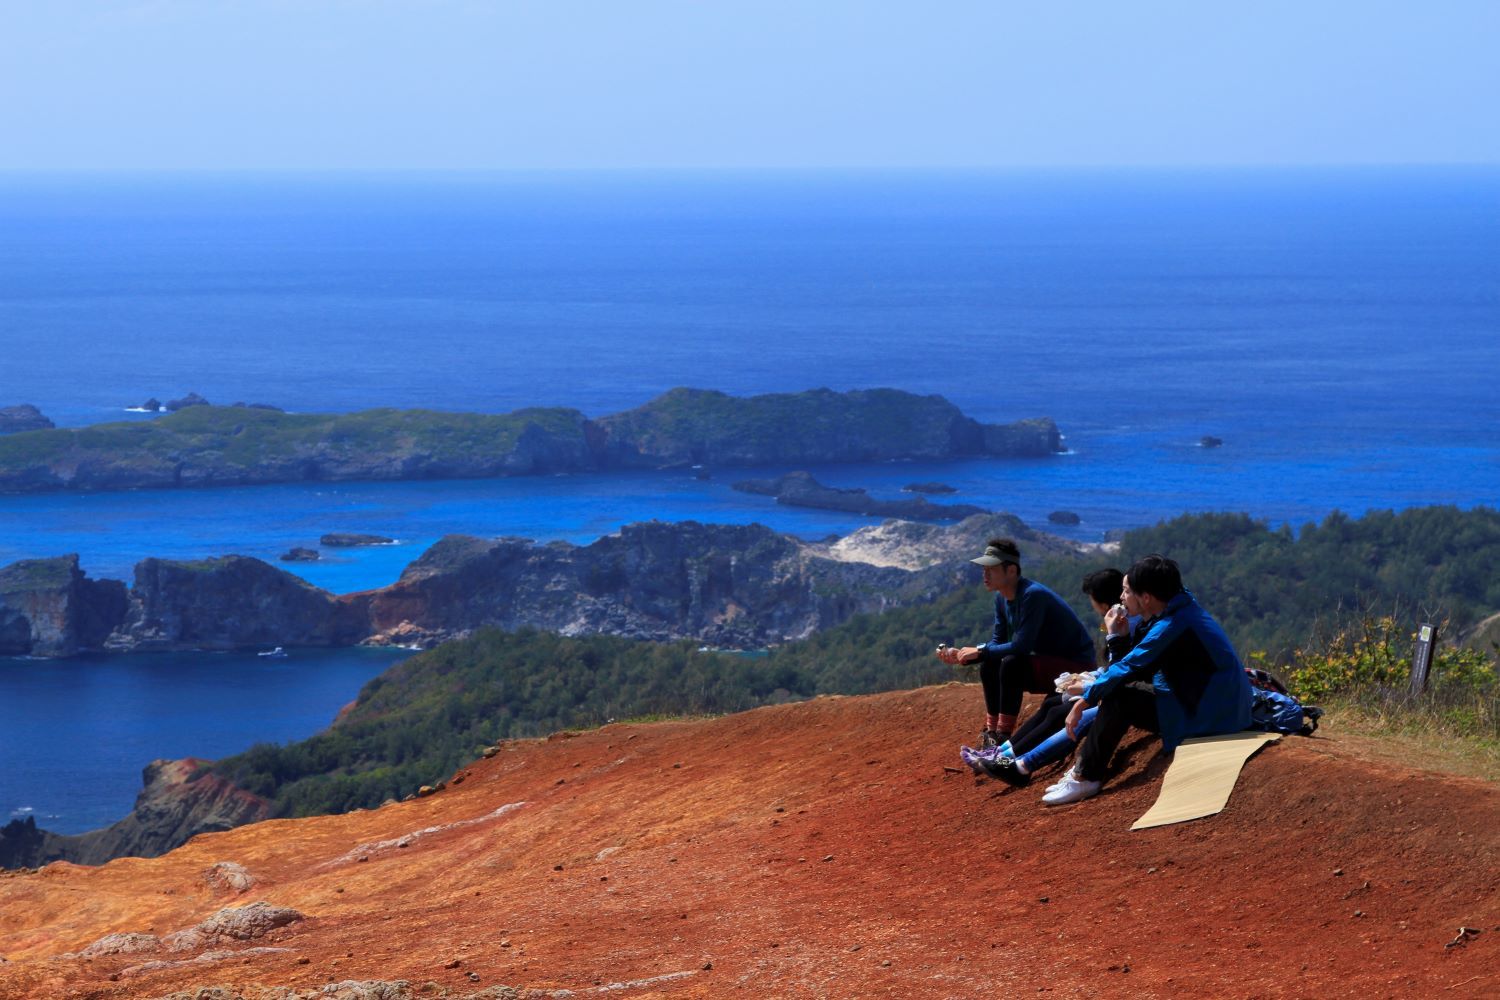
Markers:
824,850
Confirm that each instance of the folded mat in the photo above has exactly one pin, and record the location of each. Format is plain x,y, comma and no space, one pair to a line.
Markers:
1202,775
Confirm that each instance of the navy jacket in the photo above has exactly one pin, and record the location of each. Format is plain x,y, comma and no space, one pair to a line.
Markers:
1201,687
1039,622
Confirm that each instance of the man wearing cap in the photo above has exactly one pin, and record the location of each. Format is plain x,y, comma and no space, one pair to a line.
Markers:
1036,637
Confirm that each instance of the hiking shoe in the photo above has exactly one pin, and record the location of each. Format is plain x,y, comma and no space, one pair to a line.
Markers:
970,756
1006,770
990,738
1072,790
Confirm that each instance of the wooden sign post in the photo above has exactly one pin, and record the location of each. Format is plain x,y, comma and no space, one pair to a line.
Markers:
1421,657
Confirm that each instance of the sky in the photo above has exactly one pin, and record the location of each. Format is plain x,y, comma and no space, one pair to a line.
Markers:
589,84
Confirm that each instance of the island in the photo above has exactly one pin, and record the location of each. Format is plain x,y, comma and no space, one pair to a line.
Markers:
800,489
205,445
350,540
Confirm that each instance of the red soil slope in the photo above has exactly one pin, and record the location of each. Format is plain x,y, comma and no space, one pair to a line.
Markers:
822,850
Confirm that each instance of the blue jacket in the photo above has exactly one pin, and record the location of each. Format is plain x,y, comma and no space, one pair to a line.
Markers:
1201,687
1038,621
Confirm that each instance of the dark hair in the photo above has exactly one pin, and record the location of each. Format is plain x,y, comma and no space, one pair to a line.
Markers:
1155,575
1006,549
1104,585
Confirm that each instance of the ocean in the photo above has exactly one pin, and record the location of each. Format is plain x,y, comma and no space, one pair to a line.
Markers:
1337,329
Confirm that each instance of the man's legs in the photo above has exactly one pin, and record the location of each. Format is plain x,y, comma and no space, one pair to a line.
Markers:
1129,705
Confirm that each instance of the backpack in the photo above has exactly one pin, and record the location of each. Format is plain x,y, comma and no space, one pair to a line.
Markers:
1276,712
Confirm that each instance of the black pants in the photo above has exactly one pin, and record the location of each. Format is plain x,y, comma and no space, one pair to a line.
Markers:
1132,704
1046,720
1006,681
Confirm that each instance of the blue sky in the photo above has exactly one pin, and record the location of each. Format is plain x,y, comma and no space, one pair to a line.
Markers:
725,83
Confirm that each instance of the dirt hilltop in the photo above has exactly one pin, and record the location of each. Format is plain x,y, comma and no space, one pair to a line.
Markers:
821,849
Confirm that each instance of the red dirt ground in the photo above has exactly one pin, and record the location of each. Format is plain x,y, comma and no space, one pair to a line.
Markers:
822,850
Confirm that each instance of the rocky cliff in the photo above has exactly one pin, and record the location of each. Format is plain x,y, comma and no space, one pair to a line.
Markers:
205,445
48,607
232,602
728,585
180,799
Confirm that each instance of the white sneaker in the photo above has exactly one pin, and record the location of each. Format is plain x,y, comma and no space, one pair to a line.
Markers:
1072,790
1071,774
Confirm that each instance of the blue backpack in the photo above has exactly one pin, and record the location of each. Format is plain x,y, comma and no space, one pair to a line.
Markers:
1277,712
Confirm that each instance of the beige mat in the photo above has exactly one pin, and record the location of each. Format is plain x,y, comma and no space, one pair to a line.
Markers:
1202,775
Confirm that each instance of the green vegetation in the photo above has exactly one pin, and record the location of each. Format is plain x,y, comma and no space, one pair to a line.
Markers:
1363,666
1273,589
425,716
28,575
820,423
240,438
1295,601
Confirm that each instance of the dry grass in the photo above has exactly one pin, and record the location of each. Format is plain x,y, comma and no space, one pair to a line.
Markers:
1412,734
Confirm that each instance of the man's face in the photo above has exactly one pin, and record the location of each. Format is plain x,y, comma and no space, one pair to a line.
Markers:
1131,600
1001,578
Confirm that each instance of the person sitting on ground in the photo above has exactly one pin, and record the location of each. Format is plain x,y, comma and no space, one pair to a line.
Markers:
1036,637
1103,589
1122,623
1198,686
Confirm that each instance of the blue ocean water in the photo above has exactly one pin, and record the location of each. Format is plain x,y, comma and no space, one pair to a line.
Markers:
76,733
1338,329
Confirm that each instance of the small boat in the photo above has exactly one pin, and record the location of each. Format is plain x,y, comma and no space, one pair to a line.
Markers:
278,653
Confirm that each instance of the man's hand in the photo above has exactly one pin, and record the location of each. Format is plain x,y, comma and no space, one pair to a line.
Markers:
1076,688
1116,621
954,656
1074,715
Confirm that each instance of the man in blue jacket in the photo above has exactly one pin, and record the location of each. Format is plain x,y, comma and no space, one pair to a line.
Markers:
1197,685
1036,637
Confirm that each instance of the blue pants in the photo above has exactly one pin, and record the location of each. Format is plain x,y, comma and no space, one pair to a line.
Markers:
1057,746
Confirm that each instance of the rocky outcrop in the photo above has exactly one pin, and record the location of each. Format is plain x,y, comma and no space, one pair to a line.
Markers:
25,417
1064,517
298,553
49,607
741,586
348,540
181,799
800,489
933,488
913,546
191,399
204,445
231,602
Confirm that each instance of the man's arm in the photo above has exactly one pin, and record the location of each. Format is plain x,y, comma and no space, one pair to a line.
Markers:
1001,641
1139,660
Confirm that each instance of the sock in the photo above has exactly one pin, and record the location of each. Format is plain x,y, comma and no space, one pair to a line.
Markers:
1021,765
991,722
1006,725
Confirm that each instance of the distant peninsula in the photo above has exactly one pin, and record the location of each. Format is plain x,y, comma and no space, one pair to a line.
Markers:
738,586
205,445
